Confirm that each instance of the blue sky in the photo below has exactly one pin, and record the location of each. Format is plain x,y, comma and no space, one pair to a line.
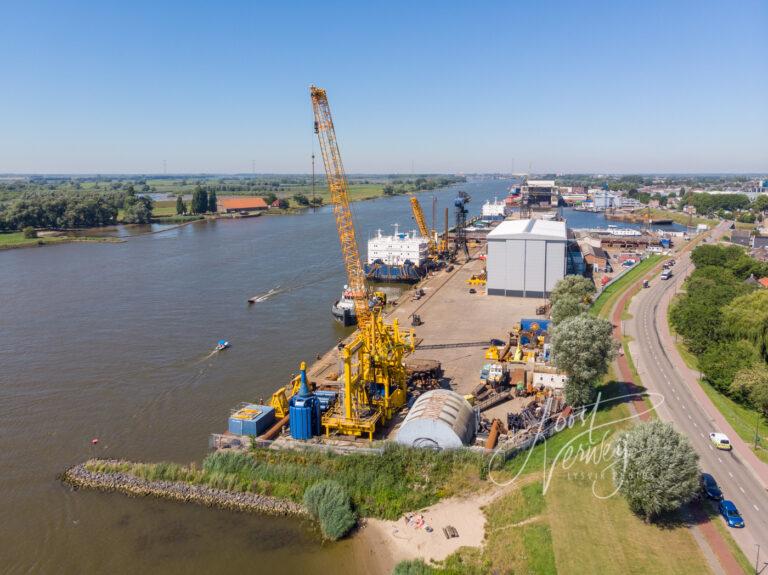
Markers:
655,86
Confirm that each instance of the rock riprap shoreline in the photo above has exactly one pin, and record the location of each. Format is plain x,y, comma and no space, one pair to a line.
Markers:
80,477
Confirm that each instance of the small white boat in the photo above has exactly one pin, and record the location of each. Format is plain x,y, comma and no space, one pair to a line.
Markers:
223,344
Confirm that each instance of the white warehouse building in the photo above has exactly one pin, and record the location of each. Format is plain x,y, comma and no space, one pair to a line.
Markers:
526,258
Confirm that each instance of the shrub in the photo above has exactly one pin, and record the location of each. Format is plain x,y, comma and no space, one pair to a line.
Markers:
29,232
413,567
329,503
658,470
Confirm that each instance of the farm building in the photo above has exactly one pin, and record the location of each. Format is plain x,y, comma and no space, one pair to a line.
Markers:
241,204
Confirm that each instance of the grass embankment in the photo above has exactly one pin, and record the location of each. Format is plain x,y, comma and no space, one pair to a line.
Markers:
681,218
605,301
383,486
572,527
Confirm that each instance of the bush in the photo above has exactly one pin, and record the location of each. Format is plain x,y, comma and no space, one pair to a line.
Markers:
413,567
29,232
658,469
329,503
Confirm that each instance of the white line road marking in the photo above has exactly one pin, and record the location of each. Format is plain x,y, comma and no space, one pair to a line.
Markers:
696,425
689,416
683,406
756,507
741,489
731,474
712,448
720,460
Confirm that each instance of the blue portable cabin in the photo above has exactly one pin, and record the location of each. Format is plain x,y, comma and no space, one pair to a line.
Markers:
251,419
304,411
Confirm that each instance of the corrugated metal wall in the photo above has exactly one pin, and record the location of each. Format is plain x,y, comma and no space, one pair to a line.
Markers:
524,268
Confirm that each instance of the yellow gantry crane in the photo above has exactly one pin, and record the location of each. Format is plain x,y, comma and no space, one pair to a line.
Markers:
374,377
421,222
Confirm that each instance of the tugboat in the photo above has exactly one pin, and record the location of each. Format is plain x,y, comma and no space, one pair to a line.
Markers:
344,309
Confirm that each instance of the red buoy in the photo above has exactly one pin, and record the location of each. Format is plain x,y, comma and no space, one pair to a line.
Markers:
94,441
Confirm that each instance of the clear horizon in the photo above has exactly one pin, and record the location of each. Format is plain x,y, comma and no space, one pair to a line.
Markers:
545,87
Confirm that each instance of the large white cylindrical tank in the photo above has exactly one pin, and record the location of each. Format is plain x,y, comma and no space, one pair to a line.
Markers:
439,419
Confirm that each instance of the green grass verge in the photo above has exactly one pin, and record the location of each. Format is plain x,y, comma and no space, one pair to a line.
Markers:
384,486
605,301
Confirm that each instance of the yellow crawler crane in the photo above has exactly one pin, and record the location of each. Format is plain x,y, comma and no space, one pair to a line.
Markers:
374,378
425,232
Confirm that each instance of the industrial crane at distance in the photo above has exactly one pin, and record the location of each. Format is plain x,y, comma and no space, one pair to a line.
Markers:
425,232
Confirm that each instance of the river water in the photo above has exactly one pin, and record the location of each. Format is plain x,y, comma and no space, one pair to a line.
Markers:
112,341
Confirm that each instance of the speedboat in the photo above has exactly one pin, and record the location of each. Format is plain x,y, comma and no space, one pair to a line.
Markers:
223,344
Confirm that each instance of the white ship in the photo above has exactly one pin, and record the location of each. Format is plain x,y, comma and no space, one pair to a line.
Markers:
494,211
401,257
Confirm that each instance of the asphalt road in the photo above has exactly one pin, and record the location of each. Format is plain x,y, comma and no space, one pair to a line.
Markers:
680,406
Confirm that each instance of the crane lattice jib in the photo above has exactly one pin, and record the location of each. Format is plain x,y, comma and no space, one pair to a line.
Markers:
337,183
418,215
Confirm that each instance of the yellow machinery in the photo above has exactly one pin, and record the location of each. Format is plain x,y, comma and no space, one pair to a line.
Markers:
281,397
425,232
492,353
478,279
374,378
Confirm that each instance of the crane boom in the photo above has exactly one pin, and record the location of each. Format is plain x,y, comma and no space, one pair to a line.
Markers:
337,183
418,215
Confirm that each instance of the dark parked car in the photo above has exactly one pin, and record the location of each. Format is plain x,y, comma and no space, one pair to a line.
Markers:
709,487
730,513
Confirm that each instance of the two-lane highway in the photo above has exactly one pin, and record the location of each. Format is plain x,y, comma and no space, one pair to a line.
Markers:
686,408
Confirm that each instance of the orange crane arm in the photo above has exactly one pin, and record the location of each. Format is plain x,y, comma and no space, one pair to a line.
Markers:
418,215
337,183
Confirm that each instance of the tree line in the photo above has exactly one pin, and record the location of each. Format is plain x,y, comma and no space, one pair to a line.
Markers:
723,320
70,209
399,187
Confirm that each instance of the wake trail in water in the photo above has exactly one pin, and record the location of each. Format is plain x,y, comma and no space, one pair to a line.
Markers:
281,289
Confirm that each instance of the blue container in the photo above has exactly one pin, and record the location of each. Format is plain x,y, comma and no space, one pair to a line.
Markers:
665,243
537,325
251,419
305,417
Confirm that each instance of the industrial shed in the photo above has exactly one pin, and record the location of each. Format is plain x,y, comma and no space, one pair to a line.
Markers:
526,258
439,419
